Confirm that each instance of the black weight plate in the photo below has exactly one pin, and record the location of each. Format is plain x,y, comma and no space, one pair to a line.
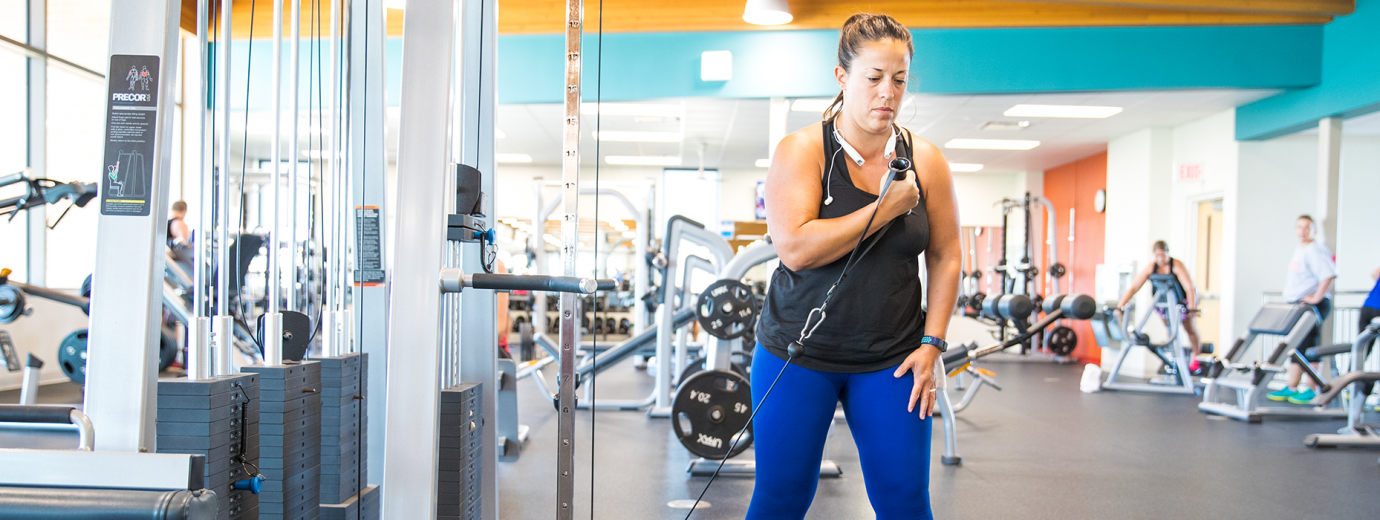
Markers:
167,351
72,356
1062,341
727,309
696,366
709,409
11,303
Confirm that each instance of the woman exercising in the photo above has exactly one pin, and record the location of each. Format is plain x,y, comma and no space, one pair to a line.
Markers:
1188,297
875,352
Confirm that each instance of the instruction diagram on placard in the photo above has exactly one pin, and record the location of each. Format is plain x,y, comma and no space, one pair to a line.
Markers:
126,177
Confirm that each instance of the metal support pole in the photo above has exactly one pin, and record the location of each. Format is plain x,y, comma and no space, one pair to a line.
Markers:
222,326
199,330
570,238
294,149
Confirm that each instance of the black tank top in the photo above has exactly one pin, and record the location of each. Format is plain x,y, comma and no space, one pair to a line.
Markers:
1178,287
875,316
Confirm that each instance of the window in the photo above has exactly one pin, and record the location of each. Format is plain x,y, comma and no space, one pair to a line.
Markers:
14,144
75,122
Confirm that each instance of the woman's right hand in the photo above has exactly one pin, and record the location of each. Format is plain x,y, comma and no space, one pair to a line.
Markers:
902,196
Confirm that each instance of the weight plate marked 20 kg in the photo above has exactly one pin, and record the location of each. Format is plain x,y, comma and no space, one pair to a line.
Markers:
709,409
727,309
1062,341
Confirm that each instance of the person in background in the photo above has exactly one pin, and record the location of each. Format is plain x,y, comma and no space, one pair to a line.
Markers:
1308,281
1369,311
503,325
1188,297
178,232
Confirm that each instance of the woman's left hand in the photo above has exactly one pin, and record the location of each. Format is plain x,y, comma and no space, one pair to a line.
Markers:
921,363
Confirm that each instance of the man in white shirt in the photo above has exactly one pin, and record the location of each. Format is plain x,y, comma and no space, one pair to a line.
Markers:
1308,281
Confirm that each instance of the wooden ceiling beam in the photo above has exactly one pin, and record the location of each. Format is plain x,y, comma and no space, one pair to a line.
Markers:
1276,7
546,16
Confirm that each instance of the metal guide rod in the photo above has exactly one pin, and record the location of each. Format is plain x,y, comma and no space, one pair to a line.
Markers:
335,275
199,329
222,329
271,330
570,237
294,149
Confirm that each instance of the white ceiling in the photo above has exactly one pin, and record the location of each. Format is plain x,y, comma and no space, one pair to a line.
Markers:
734,132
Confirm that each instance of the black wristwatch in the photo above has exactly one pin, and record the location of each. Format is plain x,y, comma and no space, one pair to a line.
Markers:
938,343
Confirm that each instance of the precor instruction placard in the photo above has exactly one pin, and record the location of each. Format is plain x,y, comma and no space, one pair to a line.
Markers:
131,130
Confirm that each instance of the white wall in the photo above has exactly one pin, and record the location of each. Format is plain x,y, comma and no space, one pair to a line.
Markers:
1138,167
1358,245
41,333
978,192
1209,142
1277,183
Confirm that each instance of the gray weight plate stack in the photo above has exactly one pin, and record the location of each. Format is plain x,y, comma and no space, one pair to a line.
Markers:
342,435
458,486
290,440
210,417
370,507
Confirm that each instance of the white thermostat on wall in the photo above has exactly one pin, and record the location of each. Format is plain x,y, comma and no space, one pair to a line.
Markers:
1100,201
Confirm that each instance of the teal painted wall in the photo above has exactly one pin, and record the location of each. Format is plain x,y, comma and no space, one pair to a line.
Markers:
974,61
1350,81
800,63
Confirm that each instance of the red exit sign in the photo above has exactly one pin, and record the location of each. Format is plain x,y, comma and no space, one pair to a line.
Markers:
1190,172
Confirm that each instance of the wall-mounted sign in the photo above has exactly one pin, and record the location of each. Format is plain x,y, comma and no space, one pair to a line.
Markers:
1190,172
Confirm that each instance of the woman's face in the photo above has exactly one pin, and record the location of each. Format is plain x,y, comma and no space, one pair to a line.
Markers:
872,90
1161,257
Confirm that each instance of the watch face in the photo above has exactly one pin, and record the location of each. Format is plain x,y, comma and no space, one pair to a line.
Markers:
1100,201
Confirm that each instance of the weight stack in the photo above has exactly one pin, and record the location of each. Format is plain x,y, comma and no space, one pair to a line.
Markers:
210,417
459,471
290,440
343,460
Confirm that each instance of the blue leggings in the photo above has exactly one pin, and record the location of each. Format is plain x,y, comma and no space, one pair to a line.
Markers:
790,430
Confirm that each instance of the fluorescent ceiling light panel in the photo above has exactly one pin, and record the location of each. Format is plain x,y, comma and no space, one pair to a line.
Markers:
1075,111
964,167
767,12
991,144
639,137
716,65
632,109
643,160
512,158
810,105
763,163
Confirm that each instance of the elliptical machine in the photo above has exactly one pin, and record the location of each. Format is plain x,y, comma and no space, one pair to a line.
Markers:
1177,378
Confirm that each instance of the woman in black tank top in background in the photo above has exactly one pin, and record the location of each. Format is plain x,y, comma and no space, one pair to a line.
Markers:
876,352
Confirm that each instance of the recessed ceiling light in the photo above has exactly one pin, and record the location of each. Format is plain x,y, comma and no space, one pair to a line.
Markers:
512,158
1005,125
1078,111
644,160
964,167
632,109
639,137
991,144
763,163
811,105
767,12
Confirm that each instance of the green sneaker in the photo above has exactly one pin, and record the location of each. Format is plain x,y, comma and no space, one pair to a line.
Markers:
1303,397
1283,395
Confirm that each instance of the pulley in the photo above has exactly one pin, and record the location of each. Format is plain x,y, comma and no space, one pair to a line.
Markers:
710,408
727,309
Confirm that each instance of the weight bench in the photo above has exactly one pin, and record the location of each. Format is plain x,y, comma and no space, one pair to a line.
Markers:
1247,381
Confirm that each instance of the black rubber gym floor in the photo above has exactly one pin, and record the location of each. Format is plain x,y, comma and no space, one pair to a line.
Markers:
1038,450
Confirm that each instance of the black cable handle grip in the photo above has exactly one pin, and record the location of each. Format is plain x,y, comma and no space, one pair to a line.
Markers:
514,282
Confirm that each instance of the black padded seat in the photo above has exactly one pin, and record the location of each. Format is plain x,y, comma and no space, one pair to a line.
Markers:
42,503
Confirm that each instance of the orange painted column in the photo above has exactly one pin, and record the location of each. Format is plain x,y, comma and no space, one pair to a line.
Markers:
1074,185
